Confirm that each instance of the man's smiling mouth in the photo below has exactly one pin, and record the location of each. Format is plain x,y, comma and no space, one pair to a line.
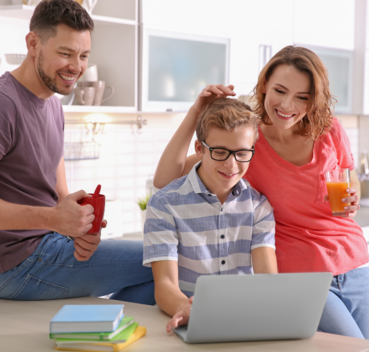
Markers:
67,78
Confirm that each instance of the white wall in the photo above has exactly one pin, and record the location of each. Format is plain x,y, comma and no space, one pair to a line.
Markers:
127,159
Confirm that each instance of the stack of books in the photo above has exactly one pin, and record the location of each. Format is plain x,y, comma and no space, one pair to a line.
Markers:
94,328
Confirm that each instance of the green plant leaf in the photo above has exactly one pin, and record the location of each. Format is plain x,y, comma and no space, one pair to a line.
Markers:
142,202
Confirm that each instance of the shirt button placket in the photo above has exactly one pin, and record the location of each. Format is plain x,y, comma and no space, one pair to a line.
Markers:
221,243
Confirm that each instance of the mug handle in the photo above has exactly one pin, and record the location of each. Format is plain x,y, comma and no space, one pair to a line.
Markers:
82,94
110,94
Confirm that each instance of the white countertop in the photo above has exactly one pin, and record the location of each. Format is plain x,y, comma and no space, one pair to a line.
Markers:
24,327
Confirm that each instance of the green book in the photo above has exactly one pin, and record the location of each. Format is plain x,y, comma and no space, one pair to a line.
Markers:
118,339
96,336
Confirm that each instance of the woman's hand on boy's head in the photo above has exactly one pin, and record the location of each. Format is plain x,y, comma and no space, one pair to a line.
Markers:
210,93
181,317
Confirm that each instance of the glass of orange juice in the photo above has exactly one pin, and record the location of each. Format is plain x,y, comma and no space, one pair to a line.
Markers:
337,182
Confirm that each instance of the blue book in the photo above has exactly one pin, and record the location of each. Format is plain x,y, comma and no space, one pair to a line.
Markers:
87,318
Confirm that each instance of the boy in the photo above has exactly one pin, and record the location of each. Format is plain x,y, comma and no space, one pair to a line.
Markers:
211,221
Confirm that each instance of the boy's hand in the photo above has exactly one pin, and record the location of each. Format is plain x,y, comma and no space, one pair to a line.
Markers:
210,93
87,244
181,317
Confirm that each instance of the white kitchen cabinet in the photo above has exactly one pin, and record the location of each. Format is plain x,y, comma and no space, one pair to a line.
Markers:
114,50
328,23
247,23
366,83
366,69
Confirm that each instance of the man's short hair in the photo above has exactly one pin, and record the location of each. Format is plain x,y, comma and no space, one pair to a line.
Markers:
226,114
49,14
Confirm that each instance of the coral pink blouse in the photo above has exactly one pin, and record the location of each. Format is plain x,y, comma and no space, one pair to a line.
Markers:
308,237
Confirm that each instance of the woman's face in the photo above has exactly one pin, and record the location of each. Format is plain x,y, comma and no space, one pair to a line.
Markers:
286,96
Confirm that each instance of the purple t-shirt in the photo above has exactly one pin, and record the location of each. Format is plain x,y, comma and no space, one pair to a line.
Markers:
31,146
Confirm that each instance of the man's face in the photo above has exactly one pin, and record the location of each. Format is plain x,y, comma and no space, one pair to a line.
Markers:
63,59
220,177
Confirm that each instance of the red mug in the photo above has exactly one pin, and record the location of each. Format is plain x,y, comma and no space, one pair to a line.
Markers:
99,207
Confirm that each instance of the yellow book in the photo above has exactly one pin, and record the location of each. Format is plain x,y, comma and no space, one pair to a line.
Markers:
101,346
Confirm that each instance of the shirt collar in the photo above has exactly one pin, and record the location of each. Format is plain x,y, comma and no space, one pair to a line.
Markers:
199,187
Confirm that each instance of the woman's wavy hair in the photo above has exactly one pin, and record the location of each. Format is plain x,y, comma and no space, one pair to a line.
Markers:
226,114
318,118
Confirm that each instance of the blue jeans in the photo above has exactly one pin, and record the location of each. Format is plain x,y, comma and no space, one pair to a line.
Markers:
346,311
52,272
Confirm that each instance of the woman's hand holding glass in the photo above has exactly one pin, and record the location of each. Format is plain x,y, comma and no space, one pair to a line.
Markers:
353,199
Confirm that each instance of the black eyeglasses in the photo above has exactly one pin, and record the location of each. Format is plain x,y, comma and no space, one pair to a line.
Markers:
221,154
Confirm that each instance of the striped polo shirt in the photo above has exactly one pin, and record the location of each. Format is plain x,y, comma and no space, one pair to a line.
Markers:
188,224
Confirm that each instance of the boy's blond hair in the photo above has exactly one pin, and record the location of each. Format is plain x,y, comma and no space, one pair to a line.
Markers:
226,114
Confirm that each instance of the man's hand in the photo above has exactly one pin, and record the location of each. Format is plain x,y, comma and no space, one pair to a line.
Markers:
181,317
87,244
71,219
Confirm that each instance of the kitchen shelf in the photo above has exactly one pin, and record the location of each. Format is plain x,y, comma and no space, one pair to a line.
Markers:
98,109
114,110
101,20
114,51
81,150
131,118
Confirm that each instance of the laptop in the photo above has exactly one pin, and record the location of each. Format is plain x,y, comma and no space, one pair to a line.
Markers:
234,308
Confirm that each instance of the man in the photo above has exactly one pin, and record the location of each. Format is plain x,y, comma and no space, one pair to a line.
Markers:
210,222
38,216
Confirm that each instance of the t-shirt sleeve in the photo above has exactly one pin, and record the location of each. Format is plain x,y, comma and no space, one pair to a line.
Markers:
7,125
263,230
160,233
342,145
59,107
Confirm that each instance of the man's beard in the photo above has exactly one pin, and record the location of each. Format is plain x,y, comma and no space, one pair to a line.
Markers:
48,81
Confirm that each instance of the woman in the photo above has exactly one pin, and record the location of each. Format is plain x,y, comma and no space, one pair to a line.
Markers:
299,141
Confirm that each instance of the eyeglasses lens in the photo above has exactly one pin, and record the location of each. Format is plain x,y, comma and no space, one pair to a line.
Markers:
220,154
